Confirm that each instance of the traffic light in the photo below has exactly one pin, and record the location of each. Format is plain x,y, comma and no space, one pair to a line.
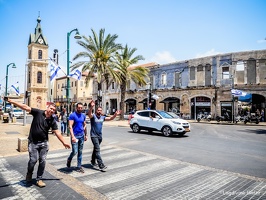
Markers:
150,98
27,95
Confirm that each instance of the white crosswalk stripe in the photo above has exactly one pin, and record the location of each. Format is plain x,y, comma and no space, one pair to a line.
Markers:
112,178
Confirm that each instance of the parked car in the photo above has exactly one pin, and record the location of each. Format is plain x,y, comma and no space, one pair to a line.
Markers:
155,120
18,113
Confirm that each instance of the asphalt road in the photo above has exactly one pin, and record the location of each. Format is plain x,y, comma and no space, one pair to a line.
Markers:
234,148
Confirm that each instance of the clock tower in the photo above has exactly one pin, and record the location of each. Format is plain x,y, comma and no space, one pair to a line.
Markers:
37,68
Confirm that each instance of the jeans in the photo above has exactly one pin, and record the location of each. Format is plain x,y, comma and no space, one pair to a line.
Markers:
37,149
77,148
63,127
96,151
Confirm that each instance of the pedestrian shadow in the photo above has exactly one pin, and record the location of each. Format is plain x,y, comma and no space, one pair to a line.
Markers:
67,170
26,184
21,183
256,131
90,166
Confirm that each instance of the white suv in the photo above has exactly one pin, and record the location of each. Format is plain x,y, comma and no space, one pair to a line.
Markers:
18,113
155,120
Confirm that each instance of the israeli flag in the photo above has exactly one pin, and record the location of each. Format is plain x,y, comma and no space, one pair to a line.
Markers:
76,75
238,93
16,88
54,70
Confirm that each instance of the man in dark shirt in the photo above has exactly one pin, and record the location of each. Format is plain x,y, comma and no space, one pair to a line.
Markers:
38,144
97,120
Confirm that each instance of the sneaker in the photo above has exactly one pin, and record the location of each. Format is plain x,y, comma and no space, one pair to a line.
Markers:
103,168
80,170
94,165
68,164
40,183
29,177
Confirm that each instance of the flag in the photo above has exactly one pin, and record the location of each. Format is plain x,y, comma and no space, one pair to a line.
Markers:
16,88
156,97
76,75
54,70
246,98
238,93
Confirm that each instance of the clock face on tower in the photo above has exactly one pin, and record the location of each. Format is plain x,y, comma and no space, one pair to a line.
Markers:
40,40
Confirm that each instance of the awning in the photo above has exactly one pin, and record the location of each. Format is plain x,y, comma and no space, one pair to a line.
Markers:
170,100
246,98
130,101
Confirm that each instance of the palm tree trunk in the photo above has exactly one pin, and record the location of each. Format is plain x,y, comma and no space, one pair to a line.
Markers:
123,94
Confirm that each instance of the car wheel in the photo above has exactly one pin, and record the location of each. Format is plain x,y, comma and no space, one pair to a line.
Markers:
167,131
135,128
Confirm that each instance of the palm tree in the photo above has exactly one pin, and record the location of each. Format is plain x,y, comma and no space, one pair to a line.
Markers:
100,52
127,72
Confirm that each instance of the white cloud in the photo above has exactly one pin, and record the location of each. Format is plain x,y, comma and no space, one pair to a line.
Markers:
162,58
261,41
207,53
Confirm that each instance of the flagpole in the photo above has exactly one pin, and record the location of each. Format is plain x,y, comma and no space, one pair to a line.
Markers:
233,100
25,89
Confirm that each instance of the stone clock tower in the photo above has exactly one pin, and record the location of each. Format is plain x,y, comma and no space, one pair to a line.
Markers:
37,69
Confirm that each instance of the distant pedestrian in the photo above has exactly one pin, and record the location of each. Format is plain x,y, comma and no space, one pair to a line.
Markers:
262,115
38,145
63,118
97,120
78,132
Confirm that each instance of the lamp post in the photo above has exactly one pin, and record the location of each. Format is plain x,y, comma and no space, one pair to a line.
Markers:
13,66
77,36
149,97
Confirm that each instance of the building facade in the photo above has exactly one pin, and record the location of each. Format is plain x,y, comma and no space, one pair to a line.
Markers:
200,85
78,92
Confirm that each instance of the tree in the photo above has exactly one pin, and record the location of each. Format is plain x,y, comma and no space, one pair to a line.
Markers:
100,53
127,72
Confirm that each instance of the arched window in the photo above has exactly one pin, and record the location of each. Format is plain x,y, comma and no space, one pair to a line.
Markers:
29,54
40,54
29,75
163,79
39,77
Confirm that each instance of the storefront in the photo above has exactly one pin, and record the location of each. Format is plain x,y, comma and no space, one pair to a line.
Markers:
200,105
226,107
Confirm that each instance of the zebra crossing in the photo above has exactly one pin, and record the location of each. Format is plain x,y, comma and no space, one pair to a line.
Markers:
137,175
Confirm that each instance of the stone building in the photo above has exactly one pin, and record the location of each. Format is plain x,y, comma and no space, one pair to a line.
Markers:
200,85
78,92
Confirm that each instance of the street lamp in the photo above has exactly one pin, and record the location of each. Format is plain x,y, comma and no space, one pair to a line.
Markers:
149,97
77,36
13,66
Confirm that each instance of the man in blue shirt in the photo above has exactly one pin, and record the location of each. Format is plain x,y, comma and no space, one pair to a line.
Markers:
97,120
78,132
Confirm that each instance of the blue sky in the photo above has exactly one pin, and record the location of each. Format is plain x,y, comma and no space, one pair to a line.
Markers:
162,31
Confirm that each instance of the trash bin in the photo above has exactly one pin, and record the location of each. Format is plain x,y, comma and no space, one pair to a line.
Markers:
14,119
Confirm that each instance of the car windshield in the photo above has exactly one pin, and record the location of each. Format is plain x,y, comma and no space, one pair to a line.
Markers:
173,114
165,115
